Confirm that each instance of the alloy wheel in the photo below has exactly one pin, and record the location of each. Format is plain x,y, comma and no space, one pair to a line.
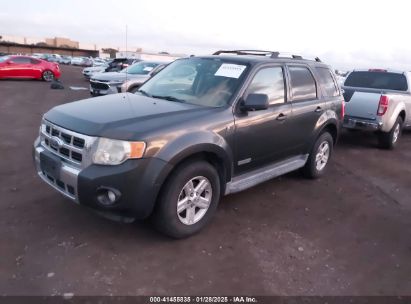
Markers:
322,156
396,133
48,76
194,200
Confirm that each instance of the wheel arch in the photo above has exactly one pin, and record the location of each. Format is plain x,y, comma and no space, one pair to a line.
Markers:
331,128
212,153
402,114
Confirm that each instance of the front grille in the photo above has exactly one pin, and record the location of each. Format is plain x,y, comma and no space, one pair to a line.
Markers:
99,85
71,146
68,189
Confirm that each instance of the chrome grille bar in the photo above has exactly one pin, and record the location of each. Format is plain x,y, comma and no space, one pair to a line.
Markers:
68,145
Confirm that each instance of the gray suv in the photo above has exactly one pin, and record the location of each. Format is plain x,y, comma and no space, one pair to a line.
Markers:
202,128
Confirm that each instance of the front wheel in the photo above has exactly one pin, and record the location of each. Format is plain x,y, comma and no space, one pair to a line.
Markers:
319,156
188,200
47,75
388,140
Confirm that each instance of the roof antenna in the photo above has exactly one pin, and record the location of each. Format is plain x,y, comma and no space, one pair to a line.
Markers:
126,48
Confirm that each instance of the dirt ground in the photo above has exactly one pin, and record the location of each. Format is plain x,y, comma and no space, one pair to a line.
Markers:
348,233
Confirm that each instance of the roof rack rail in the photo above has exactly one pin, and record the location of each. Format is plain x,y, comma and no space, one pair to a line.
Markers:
271,54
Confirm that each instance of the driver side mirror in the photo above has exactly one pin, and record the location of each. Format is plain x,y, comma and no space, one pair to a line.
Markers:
255,102
9,62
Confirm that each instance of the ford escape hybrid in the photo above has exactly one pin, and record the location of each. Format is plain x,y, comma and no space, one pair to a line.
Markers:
202,128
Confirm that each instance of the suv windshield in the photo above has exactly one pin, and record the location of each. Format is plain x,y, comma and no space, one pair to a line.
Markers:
206,82
377,80
141,68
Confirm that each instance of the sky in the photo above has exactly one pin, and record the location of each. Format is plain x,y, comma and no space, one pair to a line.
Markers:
346,34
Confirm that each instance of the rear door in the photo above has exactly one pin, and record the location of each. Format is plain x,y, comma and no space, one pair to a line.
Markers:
330,90
261,137
307,105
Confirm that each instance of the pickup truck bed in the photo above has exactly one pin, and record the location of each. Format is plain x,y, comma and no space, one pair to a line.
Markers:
380,107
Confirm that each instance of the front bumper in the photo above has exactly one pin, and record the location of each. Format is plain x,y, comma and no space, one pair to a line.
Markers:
137,181
112,89
362,124
66,183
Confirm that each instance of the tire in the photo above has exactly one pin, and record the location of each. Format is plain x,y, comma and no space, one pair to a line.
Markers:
47,75
133,89
191,218
319,156
389,140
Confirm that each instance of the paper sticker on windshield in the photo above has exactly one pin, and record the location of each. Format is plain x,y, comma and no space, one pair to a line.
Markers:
148,69
230,70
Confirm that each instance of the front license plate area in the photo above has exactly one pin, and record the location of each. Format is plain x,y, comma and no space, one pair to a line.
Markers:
50,164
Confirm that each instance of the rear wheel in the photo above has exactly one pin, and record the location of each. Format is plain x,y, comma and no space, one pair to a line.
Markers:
188,200
47,75
388,140
319,156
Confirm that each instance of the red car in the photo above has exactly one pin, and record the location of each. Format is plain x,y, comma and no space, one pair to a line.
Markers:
28,67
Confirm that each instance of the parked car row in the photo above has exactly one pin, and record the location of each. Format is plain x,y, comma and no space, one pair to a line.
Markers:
82,61
73,60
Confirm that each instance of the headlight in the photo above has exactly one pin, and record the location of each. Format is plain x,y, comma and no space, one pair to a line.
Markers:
115,152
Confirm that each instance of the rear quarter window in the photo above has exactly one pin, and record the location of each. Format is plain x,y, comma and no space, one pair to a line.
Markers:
327,82
377,80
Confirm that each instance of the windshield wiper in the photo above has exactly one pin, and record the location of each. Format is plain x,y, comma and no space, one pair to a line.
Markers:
144,93
169,98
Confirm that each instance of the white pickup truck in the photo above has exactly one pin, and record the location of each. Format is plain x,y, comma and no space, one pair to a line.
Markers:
380,101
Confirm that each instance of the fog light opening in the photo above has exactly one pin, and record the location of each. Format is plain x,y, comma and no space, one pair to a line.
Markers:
107,196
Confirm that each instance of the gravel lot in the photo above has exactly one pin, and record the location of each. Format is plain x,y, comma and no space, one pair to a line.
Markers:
348,233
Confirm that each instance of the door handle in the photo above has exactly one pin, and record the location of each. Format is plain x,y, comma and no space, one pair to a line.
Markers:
281,117
318,110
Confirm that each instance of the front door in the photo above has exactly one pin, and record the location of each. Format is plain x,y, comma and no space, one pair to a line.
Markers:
261,137
18,67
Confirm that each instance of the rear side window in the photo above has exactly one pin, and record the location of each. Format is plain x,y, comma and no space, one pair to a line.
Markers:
327,82
269,81
377,80
302,84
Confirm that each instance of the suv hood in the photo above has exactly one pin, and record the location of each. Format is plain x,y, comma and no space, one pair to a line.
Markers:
123,116
116,76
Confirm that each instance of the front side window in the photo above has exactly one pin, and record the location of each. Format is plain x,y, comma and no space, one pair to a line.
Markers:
269,81
327,82
21,60
208,82
302,83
